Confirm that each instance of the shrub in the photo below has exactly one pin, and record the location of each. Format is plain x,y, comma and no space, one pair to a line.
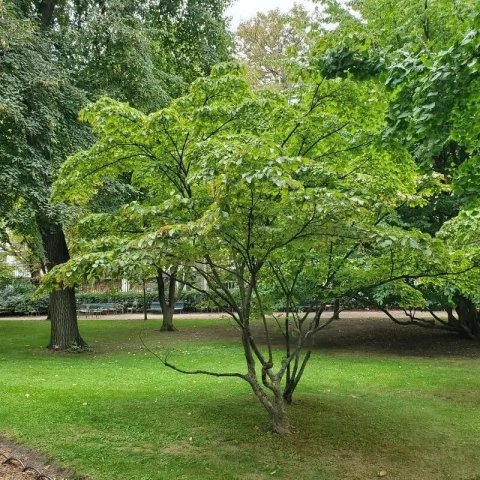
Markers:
17,298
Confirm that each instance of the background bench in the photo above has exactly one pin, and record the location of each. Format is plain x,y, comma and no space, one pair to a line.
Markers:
155,307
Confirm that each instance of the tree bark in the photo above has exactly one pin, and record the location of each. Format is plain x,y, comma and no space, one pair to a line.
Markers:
274,405
280,420
167,322
336,310
468,317
167,304
64,332
46,10
62,312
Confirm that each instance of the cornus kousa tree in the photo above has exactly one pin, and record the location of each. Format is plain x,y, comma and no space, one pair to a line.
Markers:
250,192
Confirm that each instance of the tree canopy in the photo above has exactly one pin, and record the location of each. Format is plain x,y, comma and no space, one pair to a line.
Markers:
57,56
253,189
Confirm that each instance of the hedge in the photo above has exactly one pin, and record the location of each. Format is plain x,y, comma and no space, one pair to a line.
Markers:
18,299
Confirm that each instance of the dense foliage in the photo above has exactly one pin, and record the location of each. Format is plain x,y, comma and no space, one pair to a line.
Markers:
254,189
55,57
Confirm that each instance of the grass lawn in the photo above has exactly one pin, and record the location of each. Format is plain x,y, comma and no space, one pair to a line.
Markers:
117,413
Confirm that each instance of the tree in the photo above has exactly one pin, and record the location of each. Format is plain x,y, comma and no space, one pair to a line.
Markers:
432,114
423,59
38,129
145,53
271,41
56,56
248,186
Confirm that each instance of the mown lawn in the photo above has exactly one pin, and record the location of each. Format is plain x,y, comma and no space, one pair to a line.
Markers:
117,413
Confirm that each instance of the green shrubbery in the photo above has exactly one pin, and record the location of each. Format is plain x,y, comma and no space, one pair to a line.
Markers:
18,298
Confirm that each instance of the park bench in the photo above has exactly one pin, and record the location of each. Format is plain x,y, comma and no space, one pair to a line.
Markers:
96,309
89,309
134,307
106,308
155,307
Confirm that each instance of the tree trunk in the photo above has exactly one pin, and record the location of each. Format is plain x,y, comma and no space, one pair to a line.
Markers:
64,331
46,10
167,323
275,406
468,317
280,421
62,312
167,304
336,310
288,393
451,317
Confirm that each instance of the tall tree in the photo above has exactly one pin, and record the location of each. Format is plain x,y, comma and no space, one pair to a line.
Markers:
38,130
58,55
420,50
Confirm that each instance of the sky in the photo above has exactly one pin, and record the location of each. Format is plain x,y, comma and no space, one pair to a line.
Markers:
246,9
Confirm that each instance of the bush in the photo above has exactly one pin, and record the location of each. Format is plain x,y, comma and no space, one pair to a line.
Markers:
193,300
122,298
17,298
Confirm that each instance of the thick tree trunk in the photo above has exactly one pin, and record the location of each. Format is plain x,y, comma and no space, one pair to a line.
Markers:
64,331
62,308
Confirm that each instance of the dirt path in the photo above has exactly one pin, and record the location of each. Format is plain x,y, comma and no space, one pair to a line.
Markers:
129,316
351,314
21,457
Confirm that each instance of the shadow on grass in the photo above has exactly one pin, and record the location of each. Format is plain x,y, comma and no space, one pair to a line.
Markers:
342,436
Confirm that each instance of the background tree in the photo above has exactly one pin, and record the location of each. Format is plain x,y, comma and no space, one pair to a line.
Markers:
38,130
270,42
58,55
418,56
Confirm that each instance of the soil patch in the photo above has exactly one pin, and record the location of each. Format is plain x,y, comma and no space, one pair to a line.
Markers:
37,464
369,332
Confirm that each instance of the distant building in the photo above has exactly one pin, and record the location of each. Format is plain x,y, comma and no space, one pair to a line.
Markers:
18,269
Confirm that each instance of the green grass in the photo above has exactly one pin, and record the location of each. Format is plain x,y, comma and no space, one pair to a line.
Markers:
117,413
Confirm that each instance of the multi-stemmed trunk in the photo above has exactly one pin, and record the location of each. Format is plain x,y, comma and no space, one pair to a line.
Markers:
62,312
270,394
274,404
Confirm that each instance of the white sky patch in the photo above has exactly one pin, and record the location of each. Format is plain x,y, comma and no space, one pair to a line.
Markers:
245,9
